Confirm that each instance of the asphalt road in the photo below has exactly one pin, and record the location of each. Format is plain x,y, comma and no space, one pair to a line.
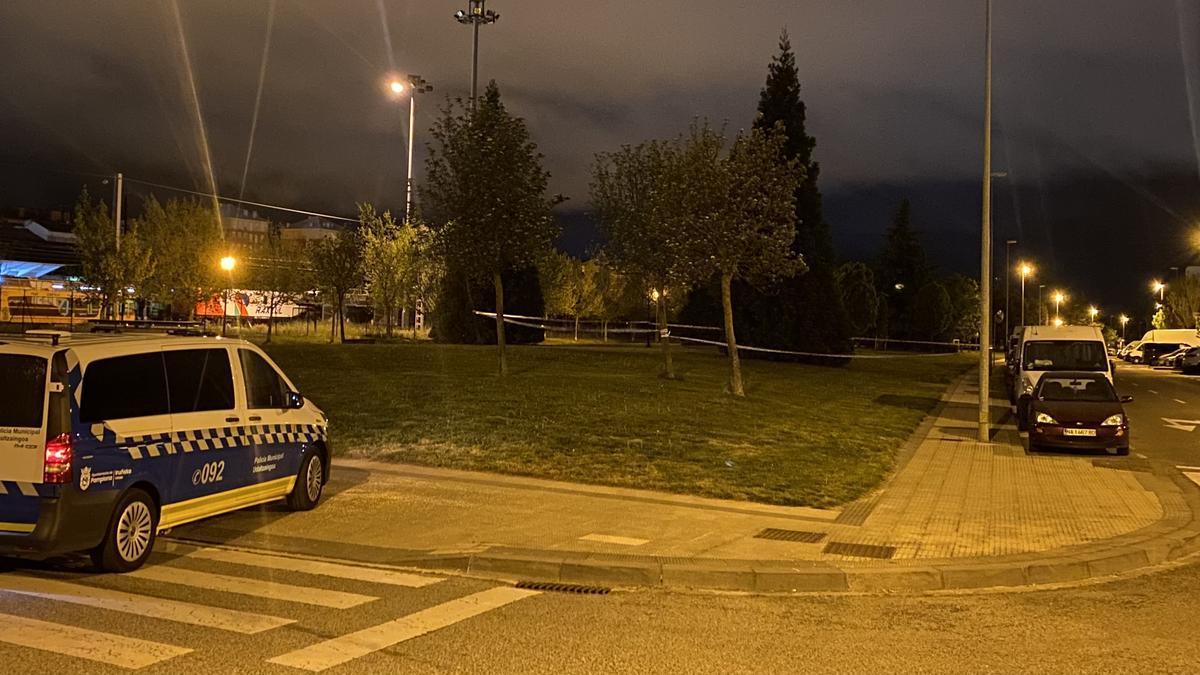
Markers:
1143,624
1164,415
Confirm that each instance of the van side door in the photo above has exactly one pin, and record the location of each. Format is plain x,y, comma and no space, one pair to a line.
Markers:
272,423
205,417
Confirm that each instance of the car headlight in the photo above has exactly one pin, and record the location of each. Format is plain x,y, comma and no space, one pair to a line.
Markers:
1114,421
1043,418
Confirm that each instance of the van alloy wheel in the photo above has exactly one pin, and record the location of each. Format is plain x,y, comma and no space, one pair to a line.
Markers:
314,478
134,531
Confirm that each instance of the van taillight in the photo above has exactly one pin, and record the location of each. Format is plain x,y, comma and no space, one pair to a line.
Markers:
58,460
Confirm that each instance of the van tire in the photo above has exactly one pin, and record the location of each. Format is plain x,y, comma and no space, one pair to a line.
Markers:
130,536
310,483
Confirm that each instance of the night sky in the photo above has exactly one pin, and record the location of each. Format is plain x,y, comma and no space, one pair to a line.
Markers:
1094,125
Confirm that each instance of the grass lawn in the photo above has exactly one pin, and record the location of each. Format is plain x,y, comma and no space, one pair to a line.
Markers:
806,435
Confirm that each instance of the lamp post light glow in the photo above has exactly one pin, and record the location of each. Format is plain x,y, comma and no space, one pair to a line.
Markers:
416,85
1059,297
1124,321
1026,270
1158,287
1093,313
227,264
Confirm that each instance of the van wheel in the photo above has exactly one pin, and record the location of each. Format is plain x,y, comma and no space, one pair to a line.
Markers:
309,483
130,536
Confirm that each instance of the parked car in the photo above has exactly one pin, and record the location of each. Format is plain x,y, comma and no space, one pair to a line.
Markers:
1128,348
1078,410
1190,362
1053,349
1171,359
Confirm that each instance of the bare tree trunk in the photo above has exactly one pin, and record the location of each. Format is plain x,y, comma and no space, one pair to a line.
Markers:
390,310
664,337
342,316
270,321
604,329
735,363
577,328
333,322
499,284
414,321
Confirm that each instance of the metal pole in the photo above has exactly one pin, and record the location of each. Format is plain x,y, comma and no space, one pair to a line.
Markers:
225,306
474,63
117,206
1007,285
985,258
1022,298
412,117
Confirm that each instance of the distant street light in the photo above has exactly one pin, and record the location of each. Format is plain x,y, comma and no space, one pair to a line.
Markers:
1026,270
1058,323
1158,287
1059,297
227,264
416,85
1124,321
1093,312
475,15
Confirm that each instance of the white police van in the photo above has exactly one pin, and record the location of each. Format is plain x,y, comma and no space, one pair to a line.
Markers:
106,441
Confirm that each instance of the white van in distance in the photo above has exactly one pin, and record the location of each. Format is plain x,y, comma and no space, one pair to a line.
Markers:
1045,349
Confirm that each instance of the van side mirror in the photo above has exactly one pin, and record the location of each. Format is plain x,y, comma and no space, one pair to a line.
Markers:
1126,399
294,400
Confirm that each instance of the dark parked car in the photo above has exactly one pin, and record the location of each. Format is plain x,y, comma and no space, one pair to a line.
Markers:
1078,410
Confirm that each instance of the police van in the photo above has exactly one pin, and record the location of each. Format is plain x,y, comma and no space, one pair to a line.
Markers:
107,441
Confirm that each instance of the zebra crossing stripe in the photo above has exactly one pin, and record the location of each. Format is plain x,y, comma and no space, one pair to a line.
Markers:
339,650
115,650
258,588
317,567
231,620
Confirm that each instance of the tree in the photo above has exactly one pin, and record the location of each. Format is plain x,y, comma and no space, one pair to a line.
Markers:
569,286
486,195
857,284
739,218
634,194
617,294
1181,302
389,262
281,273
902,269
932,312
337,265
107,267
185,241
964,307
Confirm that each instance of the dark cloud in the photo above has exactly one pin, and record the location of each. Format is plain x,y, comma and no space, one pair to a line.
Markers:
893,87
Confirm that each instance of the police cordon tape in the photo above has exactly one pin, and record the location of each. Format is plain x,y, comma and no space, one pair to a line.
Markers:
511,319
653,328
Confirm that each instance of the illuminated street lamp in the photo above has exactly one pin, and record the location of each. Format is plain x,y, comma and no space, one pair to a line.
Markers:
1058,322
1124,321
1026,270
1059,297
1158,287
416,85
227,264
1093,313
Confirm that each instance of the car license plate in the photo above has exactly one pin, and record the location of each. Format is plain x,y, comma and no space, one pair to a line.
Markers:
1079,432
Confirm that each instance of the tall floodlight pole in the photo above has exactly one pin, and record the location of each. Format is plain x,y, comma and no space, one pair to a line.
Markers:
475,14
1026,270
985,258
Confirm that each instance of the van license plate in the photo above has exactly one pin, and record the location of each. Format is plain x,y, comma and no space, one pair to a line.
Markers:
1079,432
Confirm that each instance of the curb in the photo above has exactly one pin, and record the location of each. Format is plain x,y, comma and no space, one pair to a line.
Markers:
1175,536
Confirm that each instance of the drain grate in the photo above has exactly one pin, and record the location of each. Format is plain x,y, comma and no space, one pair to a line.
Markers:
791,535
554,587
860,550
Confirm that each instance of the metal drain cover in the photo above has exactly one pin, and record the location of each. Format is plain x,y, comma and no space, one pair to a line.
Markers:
791,535
860,550
555,587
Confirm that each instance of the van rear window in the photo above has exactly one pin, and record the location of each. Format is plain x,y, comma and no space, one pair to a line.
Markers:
1065,355
22,390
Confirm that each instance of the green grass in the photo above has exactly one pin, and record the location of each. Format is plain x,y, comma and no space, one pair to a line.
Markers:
806,435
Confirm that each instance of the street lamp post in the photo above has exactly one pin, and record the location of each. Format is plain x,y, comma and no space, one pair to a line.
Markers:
416,85
227,264
1093,313
1058,300
1124,321
475,14
985,258
1026,270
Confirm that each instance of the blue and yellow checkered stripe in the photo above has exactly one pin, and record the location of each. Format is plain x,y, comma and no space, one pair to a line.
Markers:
221,438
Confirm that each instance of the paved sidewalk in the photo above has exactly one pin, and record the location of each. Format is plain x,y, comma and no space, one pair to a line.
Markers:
957,513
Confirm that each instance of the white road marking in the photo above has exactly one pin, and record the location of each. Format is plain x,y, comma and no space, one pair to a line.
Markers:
1140,456
116,650
1194,476
1181,425
142,605
254,587
348,647
1180,402
1135,384
611,539
1188,468
317,567
1152,391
